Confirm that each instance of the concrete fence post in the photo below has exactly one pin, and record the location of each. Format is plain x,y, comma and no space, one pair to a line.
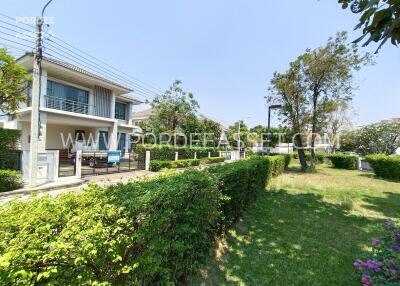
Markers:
147,161
176,156
78,164
195,155
209,154
244,155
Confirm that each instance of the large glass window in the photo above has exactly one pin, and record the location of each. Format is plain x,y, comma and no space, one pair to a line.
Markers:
66,92
120,110
122,142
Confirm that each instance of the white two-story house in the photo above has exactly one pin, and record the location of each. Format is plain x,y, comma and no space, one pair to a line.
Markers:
79,110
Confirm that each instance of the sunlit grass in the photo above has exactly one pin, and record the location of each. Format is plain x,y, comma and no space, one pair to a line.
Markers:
306,229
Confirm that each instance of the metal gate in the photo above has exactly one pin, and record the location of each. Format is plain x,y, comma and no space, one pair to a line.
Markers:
96,163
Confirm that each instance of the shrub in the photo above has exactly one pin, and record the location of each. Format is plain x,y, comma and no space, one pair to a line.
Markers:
277,164
385,166
155,231
166,152
287,158
343,161
382,267
240,182
213,160
156,165
152,232
10,180
9,157
320,156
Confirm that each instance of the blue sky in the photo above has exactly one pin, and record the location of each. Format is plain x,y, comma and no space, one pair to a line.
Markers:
225,52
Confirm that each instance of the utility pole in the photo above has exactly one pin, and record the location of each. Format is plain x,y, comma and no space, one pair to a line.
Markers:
35,113
36,91
276,106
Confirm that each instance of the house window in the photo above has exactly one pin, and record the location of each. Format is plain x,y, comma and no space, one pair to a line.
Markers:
121,142
120,110
66,92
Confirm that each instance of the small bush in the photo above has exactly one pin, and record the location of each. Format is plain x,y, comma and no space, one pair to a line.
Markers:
382,267
343,161
10,180
287,158
385,166
212,160
320,156
156,165
277,164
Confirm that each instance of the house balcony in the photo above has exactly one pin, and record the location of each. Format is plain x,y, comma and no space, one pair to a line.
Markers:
69,105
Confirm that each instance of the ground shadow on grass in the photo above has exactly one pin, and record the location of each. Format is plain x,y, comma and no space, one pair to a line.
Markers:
389,205
373,176
294,239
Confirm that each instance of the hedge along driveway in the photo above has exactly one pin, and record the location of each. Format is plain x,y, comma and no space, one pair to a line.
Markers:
154,232
306,230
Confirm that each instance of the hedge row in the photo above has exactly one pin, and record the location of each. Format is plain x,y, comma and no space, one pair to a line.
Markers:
10,180
287,158
213,160
320,156
152,232
385,166
166,152
157,165
343,161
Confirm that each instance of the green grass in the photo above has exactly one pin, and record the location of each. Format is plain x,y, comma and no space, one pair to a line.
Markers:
307,229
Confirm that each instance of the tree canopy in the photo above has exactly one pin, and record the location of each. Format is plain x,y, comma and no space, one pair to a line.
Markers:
378,138
14,81
380,20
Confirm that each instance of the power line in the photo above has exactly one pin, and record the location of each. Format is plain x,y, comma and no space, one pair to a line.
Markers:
11,18
105,70
103,62
85,66
16,43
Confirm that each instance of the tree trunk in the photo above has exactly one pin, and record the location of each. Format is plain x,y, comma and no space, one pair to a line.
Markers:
313,130
301,154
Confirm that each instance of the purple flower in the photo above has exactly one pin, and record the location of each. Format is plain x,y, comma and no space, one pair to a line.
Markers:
366,280
389,224
359,265
396,236
374,265
376,242
395,247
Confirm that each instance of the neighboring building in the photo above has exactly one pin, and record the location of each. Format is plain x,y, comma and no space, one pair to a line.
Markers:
78,111
140,116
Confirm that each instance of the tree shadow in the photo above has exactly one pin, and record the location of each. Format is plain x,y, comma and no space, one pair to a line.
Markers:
389,206
373,176
294,239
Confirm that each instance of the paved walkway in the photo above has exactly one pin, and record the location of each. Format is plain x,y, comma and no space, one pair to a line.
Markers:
102,180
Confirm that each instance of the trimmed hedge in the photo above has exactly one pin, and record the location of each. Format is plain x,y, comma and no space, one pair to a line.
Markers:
287,158
213,160
343,161
320,156
9,157
166,152
156,165
10,180
157,231
385,166
240,182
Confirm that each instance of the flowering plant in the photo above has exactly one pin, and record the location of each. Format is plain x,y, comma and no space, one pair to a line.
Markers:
383,267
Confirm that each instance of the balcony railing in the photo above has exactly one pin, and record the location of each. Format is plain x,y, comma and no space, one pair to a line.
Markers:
69,105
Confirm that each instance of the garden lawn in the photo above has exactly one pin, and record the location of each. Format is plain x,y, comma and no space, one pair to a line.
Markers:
306,229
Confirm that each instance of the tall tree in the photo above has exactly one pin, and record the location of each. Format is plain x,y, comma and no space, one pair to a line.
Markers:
174,112
339,121
14,83
287,90
239,133
380,20
327,77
